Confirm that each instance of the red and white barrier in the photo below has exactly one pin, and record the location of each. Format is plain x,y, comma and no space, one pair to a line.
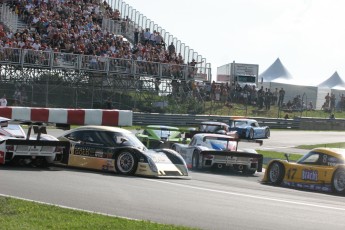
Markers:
70,116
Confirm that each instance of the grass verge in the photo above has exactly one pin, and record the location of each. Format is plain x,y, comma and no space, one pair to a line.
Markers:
328,145
19,214
270,155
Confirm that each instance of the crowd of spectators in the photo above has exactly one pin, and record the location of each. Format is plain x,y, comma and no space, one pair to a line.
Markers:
76,27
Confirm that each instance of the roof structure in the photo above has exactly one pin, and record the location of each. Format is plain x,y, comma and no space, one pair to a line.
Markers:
276,73
334,82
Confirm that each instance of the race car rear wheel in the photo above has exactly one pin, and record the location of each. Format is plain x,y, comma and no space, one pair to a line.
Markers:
126,163
195,160
275,173
248,171
251,134
267,133
338,181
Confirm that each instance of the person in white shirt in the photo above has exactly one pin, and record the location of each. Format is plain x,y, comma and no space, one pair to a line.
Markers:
3,101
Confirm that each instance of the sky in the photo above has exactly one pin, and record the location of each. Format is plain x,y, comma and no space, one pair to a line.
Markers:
307,35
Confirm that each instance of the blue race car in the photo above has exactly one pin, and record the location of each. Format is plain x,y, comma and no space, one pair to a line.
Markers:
249,129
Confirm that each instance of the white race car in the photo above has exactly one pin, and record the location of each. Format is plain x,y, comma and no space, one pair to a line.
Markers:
207,150
22,148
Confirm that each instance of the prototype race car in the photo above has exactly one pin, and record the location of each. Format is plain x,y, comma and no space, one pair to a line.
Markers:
158,136
212,127
17,147
119,150
249,129
322,169
207,150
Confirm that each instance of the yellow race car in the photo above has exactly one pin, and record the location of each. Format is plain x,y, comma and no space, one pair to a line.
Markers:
322,169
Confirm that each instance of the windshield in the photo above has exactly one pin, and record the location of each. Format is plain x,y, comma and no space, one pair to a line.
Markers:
211,128
166,133
127,139
240,123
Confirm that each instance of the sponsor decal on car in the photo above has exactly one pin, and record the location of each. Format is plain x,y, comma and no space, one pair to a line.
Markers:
310,175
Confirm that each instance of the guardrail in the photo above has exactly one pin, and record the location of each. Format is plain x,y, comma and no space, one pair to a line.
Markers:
143,119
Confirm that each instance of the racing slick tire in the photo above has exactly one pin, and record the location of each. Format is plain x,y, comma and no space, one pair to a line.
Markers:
248,171
267,133
195,160
338,181
126,163
275,174
251,134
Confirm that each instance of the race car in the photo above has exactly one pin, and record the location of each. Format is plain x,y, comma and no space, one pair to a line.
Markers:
322,169
208,150
212,127
17,147
249,128
119,150
158,136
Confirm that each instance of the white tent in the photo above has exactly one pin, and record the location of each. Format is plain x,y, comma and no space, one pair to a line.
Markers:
276,73
334,82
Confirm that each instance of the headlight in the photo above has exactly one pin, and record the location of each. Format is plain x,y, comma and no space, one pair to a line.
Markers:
152,165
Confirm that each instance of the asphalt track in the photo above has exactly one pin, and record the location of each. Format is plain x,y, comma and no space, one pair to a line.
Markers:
210,200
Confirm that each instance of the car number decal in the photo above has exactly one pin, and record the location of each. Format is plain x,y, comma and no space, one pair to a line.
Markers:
291,173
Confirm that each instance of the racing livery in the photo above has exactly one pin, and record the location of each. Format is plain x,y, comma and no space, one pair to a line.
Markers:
17,147
158,136
212,127
119,150
322,169
207,150
249,128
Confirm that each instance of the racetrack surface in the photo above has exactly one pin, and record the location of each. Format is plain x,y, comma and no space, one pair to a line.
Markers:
210,200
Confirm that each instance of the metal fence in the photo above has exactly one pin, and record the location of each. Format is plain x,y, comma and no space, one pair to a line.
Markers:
92,63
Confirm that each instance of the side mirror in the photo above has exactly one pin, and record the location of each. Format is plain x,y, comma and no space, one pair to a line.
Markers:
287,156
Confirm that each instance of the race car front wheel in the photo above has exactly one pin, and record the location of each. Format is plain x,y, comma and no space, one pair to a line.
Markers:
126,163
251,134
276,173
267,133
195,160
338,181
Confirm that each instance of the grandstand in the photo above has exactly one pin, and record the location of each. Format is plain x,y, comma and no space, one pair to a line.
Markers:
92,54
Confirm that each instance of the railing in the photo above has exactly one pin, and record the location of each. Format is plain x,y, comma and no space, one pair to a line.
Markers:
102,64
8,17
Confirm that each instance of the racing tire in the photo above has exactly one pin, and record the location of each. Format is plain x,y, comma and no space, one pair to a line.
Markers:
267,133
248,171
195,160
338,181
275,173
126,163
251,134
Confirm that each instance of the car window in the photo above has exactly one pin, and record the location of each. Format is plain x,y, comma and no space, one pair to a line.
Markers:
313,158
193,142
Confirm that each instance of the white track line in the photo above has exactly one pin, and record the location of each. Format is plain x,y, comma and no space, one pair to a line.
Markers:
250,196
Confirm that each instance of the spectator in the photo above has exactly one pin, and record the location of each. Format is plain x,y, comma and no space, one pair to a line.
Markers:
3,101
281,97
